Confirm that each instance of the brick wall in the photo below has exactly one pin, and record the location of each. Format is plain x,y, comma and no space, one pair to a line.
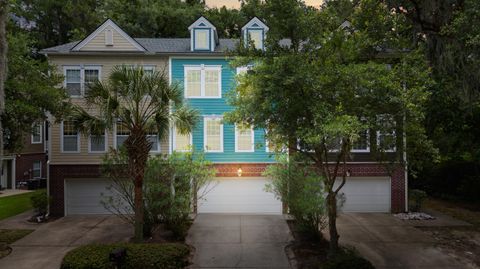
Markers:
24,165
58,173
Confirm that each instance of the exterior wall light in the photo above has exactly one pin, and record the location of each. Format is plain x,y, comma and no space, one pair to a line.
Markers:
239,172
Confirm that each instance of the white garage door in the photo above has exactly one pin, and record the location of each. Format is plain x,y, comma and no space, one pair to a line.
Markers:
364,194
240,195
84,196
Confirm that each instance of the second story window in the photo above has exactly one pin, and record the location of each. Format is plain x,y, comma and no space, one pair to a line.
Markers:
97,142
362,144
181,142
153,138
203,81
37,169
244,139
213,134
121,135
386,137
78,79
37,134
70,137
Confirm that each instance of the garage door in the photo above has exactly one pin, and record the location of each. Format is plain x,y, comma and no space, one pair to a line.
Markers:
241,196
364,194
84,196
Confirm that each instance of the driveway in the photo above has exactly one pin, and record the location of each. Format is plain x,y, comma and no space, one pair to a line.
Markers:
389,242
46,246
239,241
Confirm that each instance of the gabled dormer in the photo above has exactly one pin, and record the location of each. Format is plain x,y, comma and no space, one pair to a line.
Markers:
203,35
108,37
255,30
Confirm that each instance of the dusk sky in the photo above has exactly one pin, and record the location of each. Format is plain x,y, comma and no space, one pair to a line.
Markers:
236,3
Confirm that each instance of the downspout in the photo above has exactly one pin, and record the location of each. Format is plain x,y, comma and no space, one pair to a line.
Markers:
405,152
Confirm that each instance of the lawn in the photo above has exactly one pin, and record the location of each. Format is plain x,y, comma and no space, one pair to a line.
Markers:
14,205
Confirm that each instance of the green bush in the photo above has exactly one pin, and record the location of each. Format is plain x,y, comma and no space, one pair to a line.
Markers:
145,256
301,188
40,202
417,197
347,259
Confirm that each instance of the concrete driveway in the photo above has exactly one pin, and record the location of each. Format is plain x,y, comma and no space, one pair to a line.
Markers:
389,242
237,241
46,246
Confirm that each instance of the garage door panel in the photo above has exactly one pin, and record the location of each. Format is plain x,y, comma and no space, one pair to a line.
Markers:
240,195
85,196
366,194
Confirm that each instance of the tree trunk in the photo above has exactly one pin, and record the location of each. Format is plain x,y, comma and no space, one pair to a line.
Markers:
138,148
3,68
332,221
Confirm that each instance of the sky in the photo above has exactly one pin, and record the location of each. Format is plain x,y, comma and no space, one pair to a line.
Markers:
236,3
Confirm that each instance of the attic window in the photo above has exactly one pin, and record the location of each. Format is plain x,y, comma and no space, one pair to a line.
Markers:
108,37
201,39
256,36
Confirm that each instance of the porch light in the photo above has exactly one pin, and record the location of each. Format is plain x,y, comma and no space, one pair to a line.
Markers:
239,172
348,173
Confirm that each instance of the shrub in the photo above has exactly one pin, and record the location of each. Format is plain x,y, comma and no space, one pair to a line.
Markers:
417,197
347,259
146,256
301,188
40,202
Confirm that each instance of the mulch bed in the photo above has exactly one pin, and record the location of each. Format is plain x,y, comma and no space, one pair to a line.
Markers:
310,251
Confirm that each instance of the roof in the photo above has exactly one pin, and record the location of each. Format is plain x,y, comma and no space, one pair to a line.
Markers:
154,45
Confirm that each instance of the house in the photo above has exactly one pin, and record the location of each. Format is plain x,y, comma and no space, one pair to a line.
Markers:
201,65
28,163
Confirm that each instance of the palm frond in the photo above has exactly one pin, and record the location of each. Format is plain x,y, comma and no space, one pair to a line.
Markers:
184,119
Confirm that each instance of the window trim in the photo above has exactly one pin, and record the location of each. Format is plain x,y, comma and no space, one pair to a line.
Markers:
252,135
81,68
62,141
256,29
32,141
39,168
205,138
209,30
174,141
202,69
90,143
367,150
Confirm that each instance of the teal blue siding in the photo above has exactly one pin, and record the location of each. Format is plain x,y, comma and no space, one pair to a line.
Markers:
217,107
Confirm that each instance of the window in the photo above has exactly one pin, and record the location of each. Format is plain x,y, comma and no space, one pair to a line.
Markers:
256,36
37,134
78,79
203,81
97,142
244,139
362,144
70,137
181,142
386,138
37,169
213,134
152,137
201,39
121,134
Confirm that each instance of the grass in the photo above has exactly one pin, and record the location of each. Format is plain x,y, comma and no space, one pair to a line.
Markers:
457,210
9,236
15,204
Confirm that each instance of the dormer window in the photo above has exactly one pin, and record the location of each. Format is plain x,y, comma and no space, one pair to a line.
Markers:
255,32
201,39
203,35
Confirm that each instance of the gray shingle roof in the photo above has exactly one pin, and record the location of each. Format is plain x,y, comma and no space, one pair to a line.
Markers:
158,45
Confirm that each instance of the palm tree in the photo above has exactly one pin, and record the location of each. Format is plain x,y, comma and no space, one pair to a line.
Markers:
141,102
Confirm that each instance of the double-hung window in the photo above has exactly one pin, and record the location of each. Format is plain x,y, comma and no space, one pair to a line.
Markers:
78,79
203,81
37,134
362,144
244,139
37,169
70,137
97,142
121,134
181,142
152,137
386,137
213,134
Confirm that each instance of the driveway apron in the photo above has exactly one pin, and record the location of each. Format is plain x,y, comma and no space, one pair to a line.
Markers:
239,241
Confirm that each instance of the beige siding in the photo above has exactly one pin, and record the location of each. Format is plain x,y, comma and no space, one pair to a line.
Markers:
119,42
106,63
